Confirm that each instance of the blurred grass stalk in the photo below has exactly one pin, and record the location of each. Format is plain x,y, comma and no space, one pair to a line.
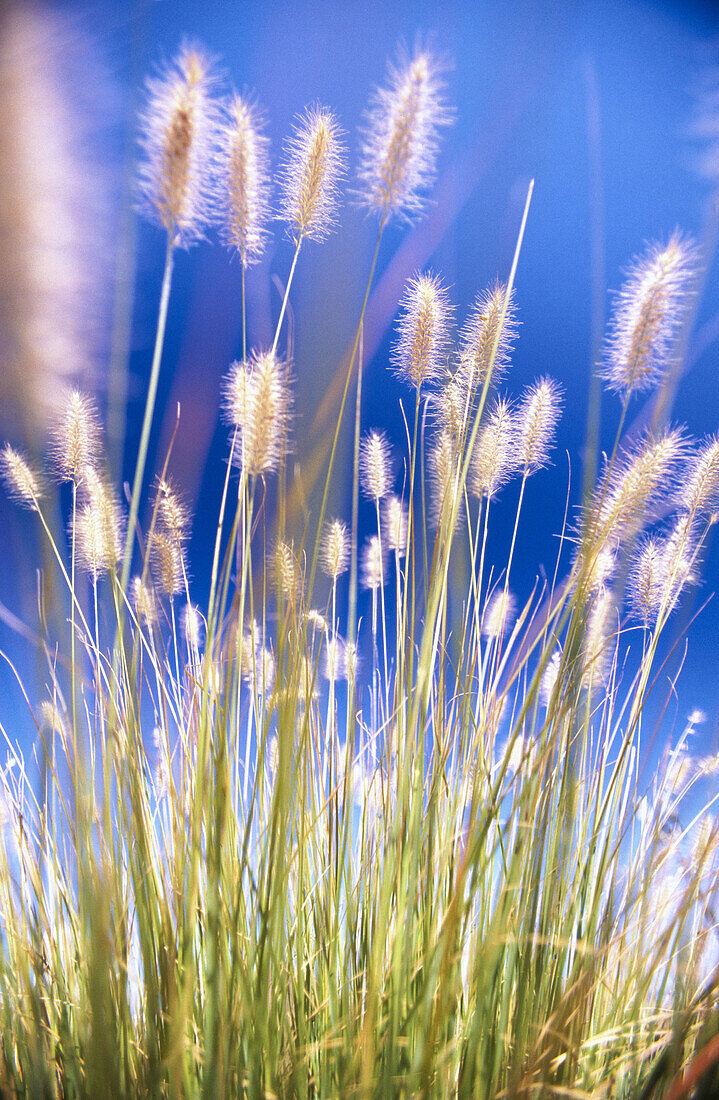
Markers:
440,880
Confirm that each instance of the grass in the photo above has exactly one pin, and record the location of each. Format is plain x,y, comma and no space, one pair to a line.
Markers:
270,860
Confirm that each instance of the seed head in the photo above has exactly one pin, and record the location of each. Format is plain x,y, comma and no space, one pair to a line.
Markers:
444,469
373,563
650,309
643,476
485,328
500,611
423,331
288,571
333,663
179,132
258,662
314,164
537,417
244,180
191,627
600,634
494,459
172,514
98,527
257,402
645,582
143,600
76,437
700,484
168,563
395,525
335,549
22,482
374,461
401,137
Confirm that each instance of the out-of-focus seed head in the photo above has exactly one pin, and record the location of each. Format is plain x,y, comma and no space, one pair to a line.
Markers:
395,525
22,482
172,514
401,137
600,636
258,662
178,138
373,563
143,601
257,403
550,677
498,614
484,329
75,437
191,626
288,572
375,465
313,167
98,526
168,564
335,549
644,475
494,457
420,353
650,310
699,491
537,418
444,470
244,180
334,664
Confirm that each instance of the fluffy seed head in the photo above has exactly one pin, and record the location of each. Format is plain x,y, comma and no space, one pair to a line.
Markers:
650,309
335,549
400,138
600,634
395,525
485,328
179,130
22,482
288,571
76,437
168,563
645,582
550,677
444,469
423,331
257,402
700,484
98,528
642,476
537,418
172,514
191,626
494,459
244,180
333,662
500,611
314,164
373,563
374,460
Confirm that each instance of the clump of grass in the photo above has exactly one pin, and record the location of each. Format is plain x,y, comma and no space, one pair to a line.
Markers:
278,856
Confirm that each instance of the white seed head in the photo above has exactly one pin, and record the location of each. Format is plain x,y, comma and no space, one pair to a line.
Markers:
373,564
499,613
395,525
22,482
335,549
313,166
486,330
244,180
494,458
257,403
374,463
537,418
423,331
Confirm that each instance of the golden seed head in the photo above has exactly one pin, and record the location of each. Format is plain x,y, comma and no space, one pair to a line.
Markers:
494,458
257,403
98,526
650,310
498,614
642,476
395,525
245,181
374,461
484,329
335,549
537,418
172,514
179,131
76,437
288,572
400,138
314,165
22,482
373,563
423,331
168,564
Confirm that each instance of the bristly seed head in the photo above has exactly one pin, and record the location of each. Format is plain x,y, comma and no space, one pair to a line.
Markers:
537,417
642,476
179,132
314,165
650,310
76,437
22,482
423,331
168,563
444,469
143,600
374,463
257,402
494,457
395,525
98,526
172,514
499,612
244,180
699,493
400,146
485,328
335,549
